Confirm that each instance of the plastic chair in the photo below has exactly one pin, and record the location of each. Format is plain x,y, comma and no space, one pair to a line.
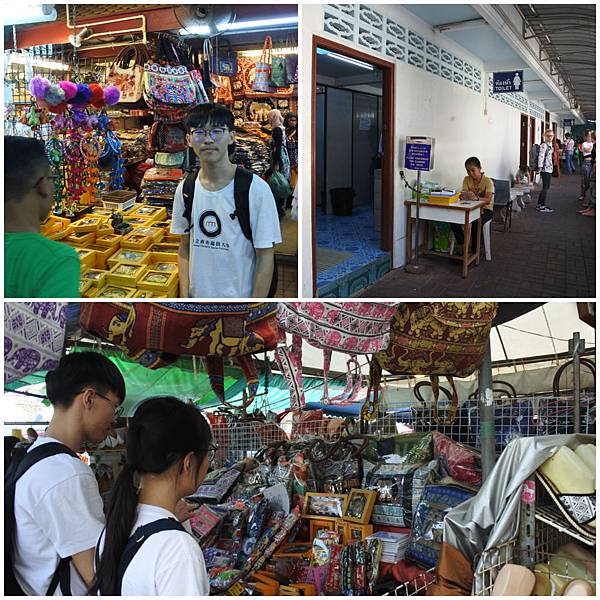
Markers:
502,200
486,230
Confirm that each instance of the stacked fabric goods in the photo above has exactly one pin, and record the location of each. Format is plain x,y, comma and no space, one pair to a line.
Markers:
159,185
393,545
252,154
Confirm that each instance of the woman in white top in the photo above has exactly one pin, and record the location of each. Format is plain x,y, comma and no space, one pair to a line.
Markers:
586,167
168,448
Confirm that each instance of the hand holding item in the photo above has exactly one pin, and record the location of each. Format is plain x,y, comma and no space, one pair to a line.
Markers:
184,511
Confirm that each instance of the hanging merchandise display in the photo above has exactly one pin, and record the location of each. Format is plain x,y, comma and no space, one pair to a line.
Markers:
323,505
127,72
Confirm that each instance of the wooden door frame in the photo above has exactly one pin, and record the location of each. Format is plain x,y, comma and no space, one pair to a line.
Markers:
524,120
387,163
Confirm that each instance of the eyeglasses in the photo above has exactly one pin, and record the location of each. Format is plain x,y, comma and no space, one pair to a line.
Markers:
118,409
212,451
215,134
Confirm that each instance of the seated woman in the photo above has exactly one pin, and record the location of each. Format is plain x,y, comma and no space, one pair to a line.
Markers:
523,175
169,448
476,186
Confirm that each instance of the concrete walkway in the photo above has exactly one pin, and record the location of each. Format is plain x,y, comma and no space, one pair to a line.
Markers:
542,256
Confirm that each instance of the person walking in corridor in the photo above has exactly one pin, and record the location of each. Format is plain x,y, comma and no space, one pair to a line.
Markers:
586,168
569,151
544,167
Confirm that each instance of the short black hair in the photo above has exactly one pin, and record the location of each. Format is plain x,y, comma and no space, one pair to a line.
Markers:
473,161
79,370
25,161
216,114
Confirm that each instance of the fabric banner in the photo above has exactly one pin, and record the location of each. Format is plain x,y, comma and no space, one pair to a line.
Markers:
34,337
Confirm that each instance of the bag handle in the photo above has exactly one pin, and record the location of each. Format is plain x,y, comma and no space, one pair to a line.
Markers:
267,51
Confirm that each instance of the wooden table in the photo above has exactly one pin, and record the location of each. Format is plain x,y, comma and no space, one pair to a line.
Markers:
463,212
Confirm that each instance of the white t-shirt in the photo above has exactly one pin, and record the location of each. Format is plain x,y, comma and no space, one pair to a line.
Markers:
169,563
587,148
222,260
58,512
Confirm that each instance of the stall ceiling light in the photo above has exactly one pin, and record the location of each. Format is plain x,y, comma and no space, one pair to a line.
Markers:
352,61
22,14
277,51
241,26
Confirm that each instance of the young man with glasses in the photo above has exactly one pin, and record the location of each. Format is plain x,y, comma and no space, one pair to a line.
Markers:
57,506
34,266
216,260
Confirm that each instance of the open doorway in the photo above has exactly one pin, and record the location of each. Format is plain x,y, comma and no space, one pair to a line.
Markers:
352,169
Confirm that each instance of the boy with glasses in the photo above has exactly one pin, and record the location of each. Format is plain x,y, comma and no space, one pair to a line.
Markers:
58,511
216,259
34,266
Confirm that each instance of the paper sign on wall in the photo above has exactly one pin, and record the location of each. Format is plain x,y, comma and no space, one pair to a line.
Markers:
418,154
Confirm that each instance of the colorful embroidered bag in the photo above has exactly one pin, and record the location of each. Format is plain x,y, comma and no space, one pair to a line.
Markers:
434,338
278,72
262,77
156,334
127,73
349,327
167,87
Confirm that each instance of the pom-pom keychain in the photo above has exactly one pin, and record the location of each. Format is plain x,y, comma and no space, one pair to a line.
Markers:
54,95
38,86
97,97
112,95
82,97
69,88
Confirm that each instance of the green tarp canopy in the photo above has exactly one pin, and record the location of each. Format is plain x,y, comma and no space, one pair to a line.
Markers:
179,379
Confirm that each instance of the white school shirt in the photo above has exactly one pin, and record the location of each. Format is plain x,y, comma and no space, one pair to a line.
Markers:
222,261
545,158
58,513
169,563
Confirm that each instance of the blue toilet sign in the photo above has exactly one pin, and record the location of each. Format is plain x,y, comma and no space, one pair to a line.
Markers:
508,81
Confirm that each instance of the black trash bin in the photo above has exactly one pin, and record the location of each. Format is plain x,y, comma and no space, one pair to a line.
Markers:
341,200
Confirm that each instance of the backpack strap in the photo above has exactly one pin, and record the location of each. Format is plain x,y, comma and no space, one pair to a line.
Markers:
140,535
16,470
241,195
189,187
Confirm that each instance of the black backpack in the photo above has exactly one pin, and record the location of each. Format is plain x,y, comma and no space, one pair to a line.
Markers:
241,195
135,542
20,463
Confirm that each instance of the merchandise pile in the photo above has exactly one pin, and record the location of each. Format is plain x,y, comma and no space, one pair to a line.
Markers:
125,248
393,545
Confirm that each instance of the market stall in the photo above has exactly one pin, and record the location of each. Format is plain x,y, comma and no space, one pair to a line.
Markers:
110,103
300,502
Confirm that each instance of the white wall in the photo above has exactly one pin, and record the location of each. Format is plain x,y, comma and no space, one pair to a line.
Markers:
426,105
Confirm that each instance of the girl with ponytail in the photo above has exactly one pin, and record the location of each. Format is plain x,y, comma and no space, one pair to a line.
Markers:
168,447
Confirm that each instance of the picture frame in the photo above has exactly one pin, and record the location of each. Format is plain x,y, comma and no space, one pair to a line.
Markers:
317,525
342,529
320,504
358,532
360,506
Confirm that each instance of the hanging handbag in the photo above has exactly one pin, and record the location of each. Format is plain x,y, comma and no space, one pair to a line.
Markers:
278,72
156,334
127,73
168,137
291,68
434,338
241,84
262,77
168,86
224,61
349,327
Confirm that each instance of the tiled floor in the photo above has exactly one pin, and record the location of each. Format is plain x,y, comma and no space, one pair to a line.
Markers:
353,234
542,256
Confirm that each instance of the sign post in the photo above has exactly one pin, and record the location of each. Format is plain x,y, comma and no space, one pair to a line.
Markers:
418,156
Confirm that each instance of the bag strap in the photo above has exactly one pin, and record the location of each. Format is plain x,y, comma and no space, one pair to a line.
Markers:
16,470
267,52
136,541
241,195
189,187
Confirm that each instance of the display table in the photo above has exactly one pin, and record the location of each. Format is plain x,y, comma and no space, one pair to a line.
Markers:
463,212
